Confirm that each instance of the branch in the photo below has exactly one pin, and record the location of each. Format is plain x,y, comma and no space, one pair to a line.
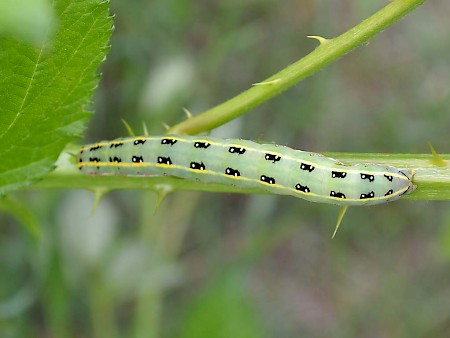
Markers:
433,182
328,51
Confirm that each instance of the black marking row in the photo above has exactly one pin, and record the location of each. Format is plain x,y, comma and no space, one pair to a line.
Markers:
240,150
234,172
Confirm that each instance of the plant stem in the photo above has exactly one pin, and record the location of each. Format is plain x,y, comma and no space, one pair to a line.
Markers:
328,51
164,233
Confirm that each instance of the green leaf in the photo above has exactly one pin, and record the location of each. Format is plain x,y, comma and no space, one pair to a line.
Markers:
44,91
30,20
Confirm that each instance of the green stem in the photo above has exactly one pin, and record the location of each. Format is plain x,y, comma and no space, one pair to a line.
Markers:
433,182
164,233
328,51
101,307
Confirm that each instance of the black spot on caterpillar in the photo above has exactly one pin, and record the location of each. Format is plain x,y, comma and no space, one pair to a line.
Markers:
137,159
338,174
232,172
302,188
96,160
96,147
164,160
389,177
266,179
369,177
115,159
116,144
138,141
308,167
390,192
203,145
197,166
168,141
236,150
272,157
368,195
337,194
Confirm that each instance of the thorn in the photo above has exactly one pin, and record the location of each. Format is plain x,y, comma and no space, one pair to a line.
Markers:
342,212
99,193
166,126
437,160
271,82
321,39
188,113
129,129
144,128
162,191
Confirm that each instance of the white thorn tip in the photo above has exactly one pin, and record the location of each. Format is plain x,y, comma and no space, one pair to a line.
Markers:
321,39
266,82
342,212
187,112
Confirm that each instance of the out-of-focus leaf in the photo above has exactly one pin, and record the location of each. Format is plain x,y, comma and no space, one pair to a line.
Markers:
224,310
23,214
30,20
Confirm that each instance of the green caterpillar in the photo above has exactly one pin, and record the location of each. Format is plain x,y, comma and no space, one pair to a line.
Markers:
243,163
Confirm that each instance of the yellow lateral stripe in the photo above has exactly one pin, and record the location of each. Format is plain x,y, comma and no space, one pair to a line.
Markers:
176,138
242,178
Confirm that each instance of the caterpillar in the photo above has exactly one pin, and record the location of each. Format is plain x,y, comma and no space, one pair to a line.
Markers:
276,169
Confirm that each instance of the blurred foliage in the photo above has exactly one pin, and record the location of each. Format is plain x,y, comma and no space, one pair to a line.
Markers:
30,20
209,264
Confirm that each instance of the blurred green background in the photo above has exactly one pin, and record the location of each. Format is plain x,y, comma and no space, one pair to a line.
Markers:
222,265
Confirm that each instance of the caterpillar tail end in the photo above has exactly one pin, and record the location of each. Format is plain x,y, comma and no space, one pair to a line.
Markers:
342,212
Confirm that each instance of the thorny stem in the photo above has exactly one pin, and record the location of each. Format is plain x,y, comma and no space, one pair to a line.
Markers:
328,51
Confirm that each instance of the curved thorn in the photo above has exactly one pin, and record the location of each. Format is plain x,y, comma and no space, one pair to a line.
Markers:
165,125
321,39
129,129
144,128
162,190
266,82
188,113
98,195
437,160
342,212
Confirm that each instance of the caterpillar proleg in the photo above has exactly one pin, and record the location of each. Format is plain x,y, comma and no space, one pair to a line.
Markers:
277,169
